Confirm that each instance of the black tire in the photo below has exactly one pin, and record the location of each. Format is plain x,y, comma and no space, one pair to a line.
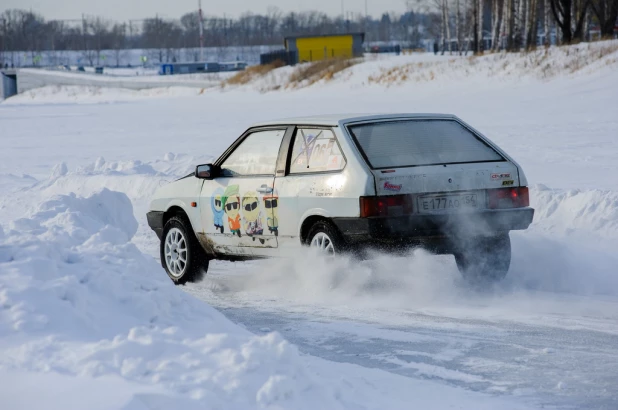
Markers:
485,260
325,230
196,263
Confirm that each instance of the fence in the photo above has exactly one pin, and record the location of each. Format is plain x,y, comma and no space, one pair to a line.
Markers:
287,57
131,57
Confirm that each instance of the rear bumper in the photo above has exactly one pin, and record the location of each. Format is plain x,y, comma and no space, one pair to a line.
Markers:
436,230
155,221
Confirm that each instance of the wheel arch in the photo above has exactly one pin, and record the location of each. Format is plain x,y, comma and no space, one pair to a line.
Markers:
175,210
182,208
309,221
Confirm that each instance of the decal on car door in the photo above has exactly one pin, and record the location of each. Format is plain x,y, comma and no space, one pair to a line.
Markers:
231,203
271,203
252,215
243,215
216,203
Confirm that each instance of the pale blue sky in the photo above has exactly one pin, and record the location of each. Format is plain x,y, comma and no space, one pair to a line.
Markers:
131,9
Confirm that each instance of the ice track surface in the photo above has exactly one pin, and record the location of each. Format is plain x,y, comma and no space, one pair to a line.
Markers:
414,316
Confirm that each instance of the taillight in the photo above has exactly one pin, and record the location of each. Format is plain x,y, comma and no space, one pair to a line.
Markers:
391,205
502,198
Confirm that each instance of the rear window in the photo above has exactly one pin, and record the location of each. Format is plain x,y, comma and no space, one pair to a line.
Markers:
420,142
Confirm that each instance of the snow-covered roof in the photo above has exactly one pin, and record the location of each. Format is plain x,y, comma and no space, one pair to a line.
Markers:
339,119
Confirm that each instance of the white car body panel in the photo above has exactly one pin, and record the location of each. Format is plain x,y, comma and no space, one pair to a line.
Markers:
180,193
440,178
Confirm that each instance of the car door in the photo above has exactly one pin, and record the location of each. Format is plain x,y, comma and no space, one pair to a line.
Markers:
314,184
237,207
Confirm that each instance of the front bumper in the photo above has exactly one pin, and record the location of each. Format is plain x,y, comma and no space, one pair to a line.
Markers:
436,229
155,221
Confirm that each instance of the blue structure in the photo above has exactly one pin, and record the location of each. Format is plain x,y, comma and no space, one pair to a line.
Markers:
8,83
191,68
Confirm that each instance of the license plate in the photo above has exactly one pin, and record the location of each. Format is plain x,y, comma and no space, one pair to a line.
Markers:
448,202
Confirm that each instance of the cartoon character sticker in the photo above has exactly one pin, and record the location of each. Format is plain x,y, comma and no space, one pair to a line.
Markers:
252,215
216,203
271,204
231,203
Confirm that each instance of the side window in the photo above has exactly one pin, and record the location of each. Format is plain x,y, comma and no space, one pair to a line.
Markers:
316,150
256,155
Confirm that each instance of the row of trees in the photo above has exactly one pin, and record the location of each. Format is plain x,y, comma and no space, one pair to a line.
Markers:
456,24
27,31
517,24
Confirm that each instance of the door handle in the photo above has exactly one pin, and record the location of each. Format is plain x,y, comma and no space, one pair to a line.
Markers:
265,189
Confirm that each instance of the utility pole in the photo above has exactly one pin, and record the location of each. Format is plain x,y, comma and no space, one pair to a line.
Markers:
4,35
84,31
201,31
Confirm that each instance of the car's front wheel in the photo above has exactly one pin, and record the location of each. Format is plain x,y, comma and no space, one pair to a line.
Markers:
484,260
182,257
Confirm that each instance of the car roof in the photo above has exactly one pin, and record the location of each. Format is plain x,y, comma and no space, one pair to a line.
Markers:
334,120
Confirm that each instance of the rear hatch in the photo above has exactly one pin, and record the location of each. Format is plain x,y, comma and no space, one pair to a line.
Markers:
440,163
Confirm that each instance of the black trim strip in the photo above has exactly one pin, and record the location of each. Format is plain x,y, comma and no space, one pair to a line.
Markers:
439,163
155,221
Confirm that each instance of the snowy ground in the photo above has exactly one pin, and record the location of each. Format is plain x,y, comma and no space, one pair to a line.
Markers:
84,311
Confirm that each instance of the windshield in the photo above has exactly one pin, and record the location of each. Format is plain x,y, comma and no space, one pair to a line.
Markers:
420,142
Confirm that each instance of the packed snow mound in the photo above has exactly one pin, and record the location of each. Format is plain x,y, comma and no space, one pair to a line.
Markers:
542,64
78,300
575,211
99,307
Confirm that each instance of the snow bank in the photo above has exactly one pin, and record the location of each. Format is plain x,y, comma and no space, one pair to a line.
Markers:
386,71
82,306
78,299
67,94
542,64
568,212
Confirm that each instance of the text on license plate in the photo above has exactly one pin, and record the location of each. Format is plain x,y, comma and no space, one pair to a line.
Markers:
446,202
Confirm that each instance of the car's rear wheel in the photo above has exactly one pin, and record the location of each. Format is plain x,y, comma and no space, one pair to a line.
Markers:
484,260
182,257
325,238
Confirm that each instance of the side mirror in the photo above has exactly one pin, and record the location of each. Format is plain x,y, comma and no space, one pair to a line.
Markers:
206,171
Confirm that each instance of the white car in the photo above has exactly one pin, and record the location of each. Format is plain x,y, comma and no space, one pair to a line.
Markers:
344,184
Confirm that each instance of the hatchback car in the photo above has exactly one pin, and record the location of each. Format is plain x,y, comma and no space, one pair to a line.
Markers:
345,184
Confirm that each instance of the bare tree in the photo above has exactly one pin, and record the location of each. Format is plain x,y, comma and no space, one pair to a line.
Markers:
445,29
606,11
546,14
163,38
569,16
480,43
458,28
532,25
496,20
191,25
100,35
118,41
506,27
447,25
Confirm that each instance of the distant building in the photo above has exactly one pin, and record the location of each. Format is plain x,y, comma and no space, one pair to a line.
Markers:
191,68
321,47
